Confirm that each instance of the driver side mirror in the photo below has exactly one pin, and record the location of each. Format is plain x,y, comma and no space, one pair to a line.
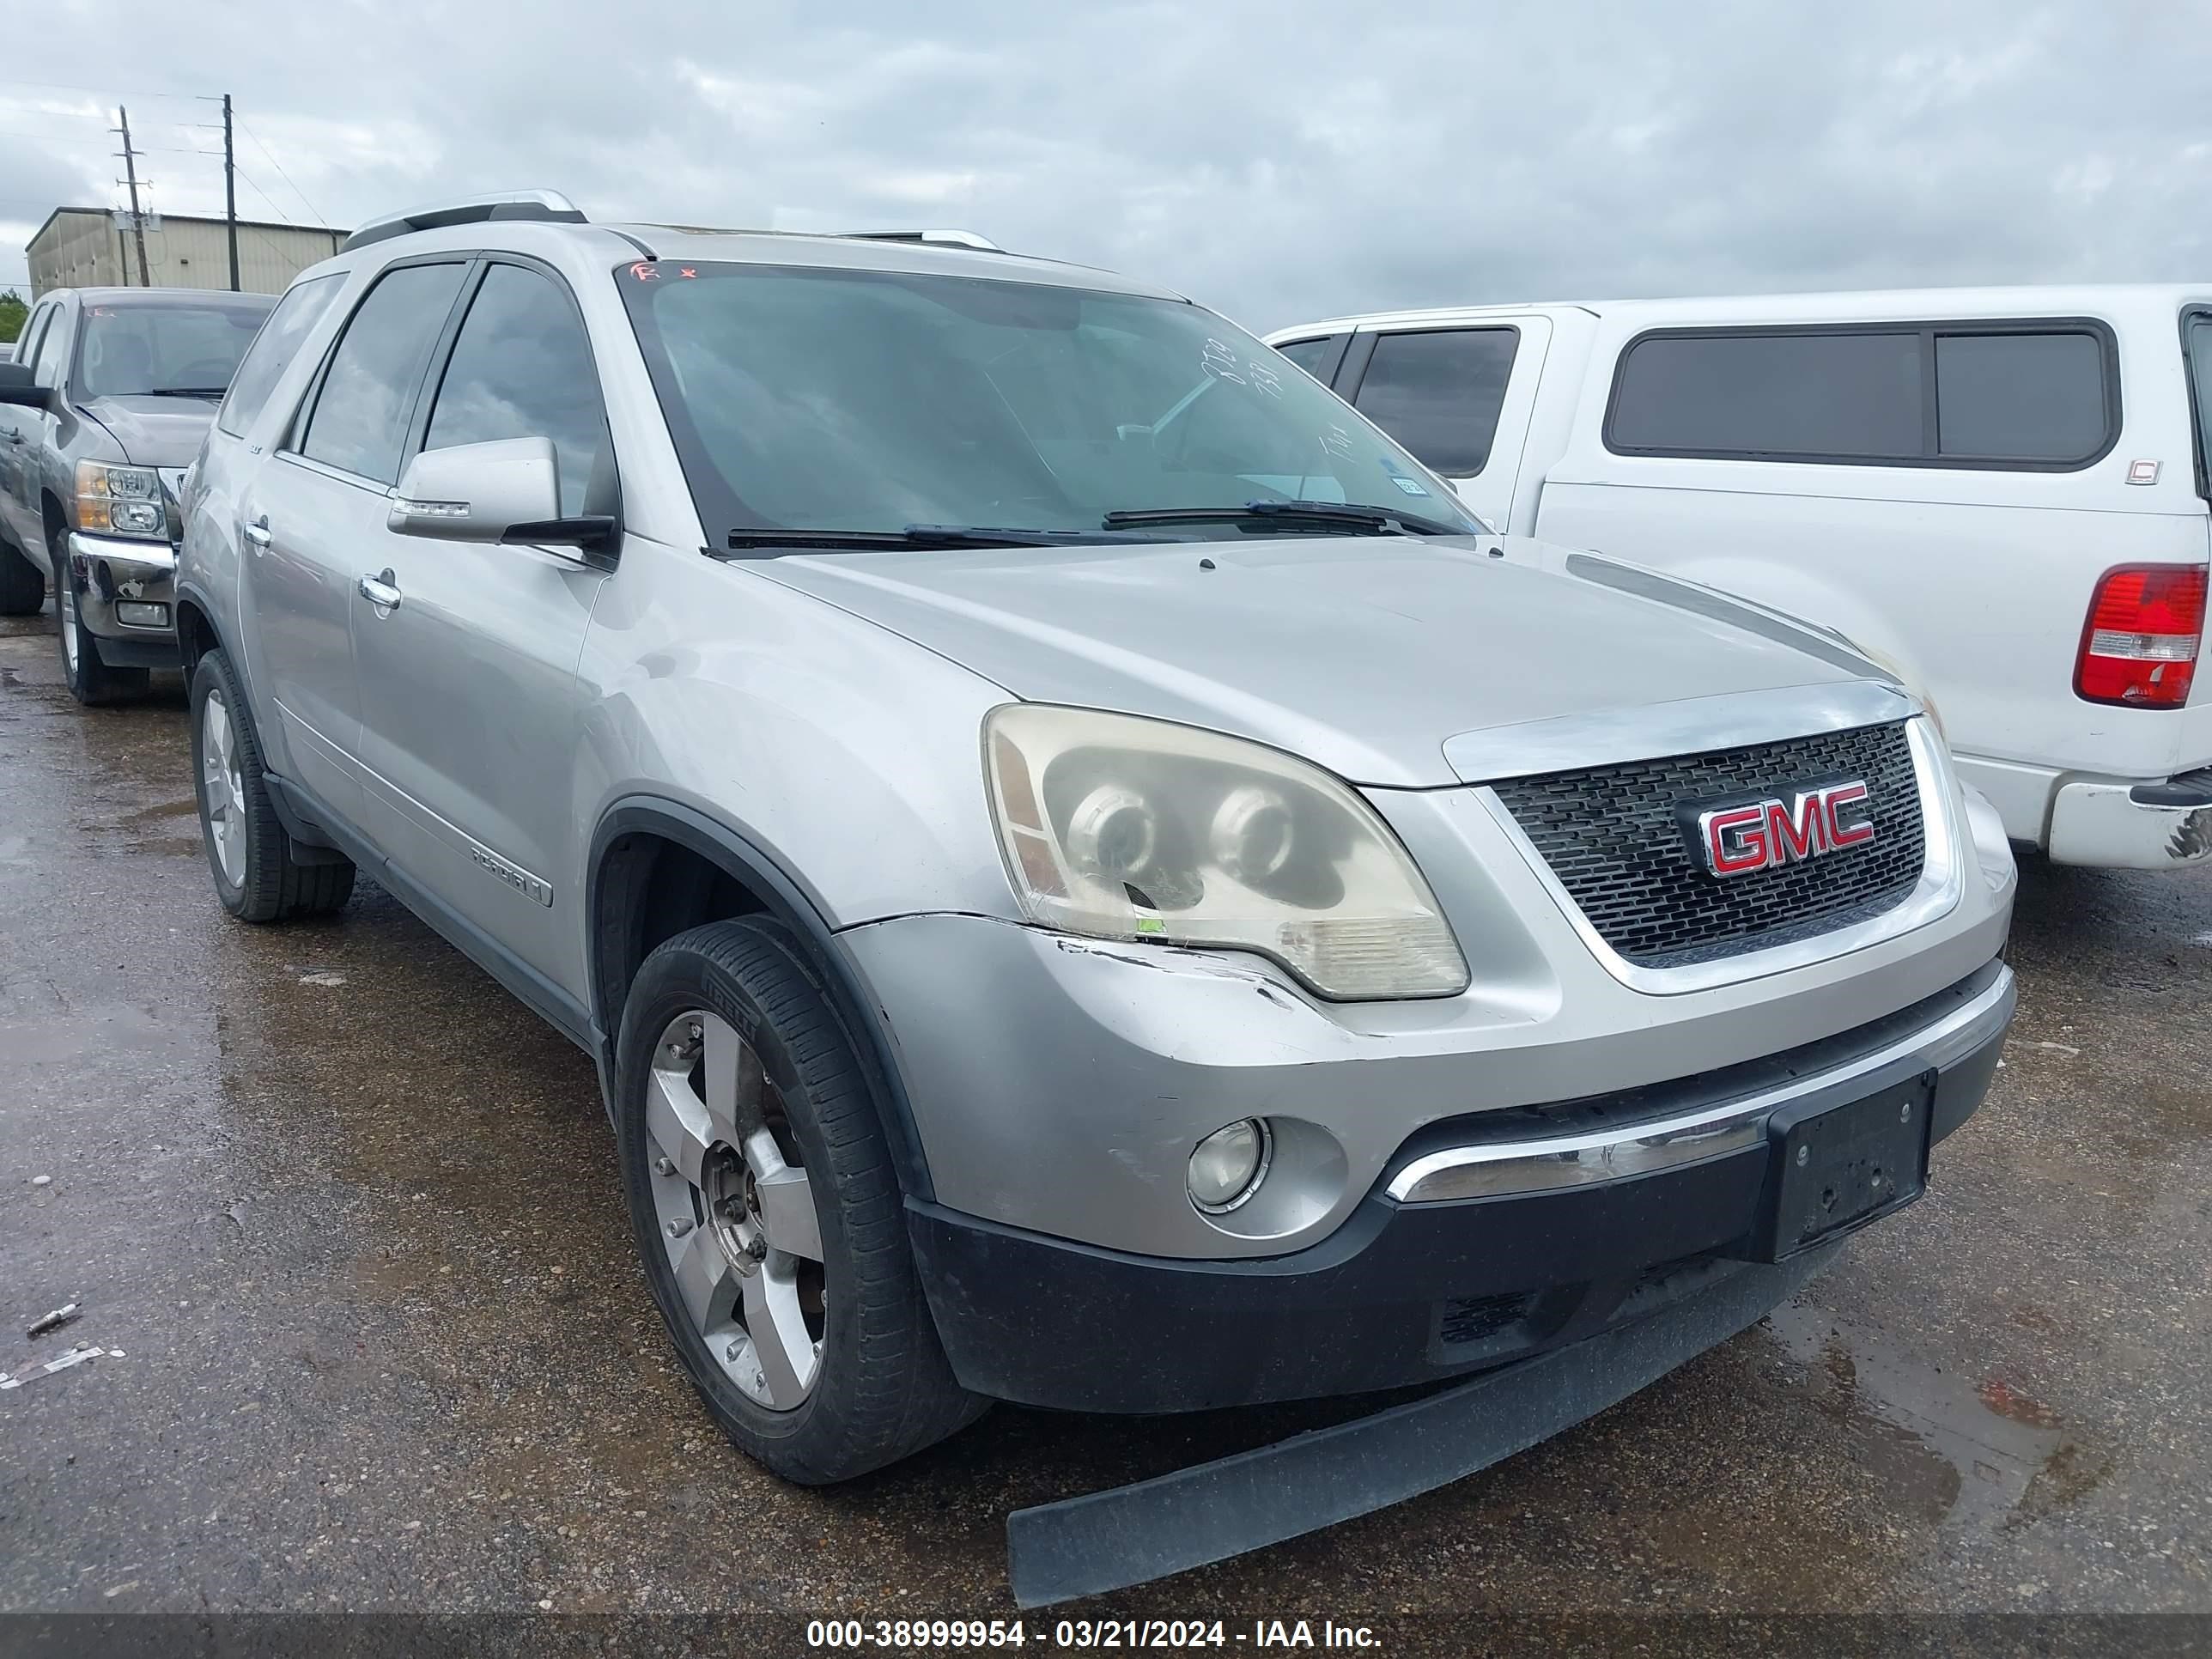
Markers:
506,491
15,387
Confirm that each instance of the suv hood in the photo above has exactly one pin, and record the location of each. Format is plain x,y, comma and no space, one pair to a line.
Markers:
155,431
1362,654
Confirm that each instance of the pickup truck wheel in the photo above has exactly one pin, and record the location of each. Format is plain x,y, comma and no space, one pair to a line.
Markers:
22,584
257,874
90,681
767,1214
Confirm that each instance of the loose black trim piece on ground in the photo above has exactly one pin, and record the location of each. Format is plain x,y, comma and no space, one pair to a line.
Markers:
1132,1535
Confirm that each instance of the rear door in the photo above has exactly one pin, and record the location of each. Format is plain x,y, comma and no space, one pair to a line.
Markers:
1458,397
31,430
469,701
312,521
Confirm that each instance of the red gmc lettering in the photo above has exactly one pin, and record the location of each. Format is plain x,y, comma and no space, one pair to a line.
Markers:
1844,794
1736,839
1764,835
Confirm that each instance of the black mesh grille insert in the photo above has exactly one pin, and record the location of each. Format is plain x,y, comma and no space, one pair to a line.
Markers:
1613,837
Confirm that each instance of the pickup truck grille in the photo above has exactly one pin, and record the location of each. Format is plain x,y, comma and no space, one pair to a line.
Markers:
1614,838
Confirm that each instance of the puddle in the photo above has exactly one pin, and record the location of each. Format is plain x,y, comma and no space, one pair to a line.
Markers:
1965,1451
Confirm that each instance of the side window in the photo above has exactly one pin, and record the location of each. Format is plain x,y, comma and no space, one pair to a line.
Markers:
1907,394
273,350
1847,396
27,343
359,419
2020,396
1438,392
1318,356
522,367
2200,384
47,366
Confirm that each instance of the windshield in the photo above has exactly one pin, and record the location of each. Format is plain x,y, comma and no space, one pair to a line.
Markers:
878,401
133,350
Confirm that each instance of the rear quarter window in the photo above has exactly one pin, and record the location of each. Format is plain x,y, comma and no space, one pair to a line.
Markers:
273,350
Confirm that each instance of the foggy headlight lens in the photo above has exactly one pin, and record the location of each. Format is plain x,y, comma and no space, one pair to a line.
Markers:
119,501
1123,827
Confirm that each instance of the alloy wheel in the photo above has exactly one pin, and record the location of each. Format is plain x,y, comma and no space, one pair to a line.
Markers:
65,609
736,1212
223,787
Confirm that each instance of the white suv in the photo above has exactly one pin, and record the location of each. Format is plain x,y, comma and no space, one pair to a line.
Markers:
2000,492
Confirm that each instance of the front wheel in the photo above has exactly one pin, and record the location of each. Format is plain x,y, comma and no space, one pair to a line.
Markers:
90,681
767,1214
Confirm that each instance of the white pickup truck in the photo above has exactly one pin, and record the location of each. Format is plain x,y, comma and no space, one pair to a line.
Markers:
2001,491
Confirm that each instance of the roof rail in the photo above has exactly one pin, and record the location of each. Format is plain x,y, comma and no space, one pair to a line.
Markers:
940,238
544,205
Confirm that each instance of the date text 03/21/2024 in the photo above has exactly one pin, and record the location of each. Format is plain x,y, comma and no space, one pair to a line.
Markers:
917,1635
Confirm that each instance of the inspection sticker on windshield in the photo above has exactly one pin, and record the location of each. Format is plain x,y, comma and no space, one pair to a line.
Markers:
1412,486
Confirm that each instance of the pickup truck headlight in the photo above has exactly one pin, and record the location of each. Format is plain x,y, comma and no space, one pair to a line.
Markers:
1120,828
114,499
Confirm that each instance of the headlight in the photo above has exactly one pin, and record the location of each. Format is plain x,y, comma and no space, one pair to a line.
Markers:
120,501
1122,827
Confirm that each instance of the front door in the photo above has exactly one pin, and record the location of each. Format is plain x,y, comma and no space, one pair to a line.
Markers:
470,704
314,518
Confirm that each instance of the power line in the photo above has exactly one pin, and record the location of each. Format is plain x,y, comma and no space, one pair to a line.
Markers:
265,195
97,92
316,212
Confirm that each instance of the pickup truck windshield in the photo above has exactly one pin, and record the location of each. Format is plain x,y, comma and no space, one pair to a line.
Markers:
156,348
814,399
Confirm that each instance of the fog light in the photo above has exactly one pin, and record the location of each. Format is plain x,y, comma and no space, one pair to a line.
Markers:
1229,1166
139,614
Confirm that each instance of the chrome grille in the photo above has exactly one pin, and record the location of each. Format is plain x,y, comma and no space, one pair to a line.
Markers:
1613,837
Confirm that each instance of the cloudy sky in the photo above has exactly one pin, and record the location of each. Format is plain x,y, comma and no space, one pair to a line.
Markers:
1278,162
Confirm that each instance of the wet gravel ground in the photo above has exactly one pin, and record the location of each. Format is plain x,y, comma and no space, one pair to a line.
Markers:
351,1214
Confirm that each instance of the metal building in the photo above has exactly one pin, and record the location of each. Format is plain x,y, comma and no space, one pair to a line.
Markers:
94,248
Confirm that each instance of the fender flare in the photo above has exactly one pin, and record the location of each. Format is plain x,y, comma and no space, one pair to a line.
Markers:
788,900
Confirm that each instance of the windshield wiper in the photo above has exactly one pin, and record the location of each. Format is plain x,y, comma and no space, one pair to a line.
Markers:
1329,515
210,392
920,536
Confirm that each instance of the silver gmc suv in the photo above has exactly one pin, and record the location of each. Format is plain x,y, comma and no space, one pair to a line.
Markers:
1089,877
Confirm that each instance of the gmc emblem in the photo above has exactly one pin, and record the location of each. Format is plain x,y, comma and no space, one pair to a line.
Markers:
1765,835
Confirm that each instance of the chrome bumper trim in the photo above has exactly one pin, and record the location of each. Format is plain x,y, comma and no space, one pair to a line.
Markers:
156,558
1531,1166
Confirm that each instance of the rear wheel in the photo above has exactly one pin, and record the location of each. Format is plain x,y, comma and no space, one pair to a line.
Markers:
767,1214
258,873
22,584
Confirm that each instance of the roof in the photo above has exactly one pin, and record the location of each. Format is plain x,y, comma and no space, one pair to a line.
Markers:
1867,305
161,296
191,219
784,247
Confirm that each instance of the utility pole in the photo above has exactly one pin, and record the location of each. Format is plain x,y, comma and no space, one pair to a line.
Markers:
137,219
230,192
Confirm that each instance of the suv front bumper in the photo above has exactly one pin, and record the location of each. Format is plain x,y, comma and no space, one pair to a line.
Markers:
1412,1292
122,586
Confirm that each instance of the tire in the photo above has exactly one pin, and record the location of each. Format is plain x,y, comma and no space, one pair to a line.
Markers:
22,584
703,1190
90,681
258,875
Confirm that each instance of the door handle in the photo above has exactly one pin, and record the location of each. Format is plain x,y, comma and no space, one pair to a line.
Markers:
258,533
382,591
13,436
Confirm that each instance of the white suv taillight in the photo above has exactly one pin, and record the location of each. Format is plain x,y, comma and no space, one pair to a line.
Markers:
2139,646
